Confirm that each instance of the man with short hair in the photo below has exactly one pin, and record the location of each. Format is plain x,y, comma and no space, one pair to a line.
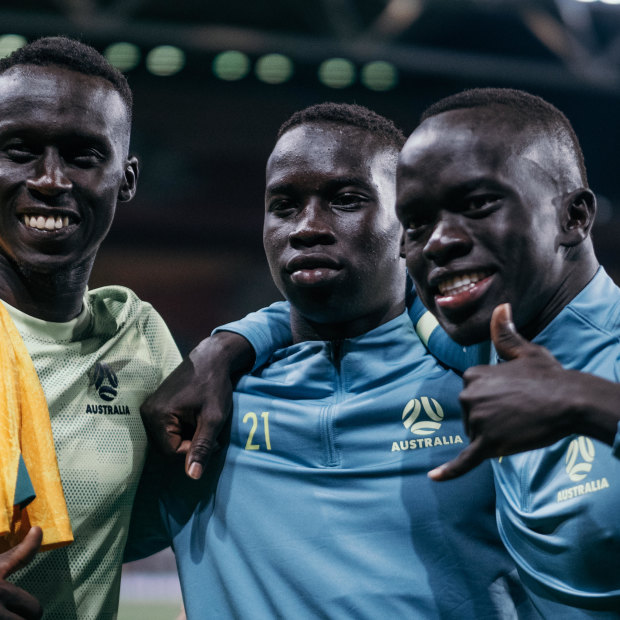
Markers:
320,505
494,200
65,119
494,183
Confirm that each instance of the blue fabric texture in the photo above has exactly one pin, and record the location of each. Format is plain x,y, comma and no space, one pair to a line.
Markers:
558,507
321,506
268,330
24,491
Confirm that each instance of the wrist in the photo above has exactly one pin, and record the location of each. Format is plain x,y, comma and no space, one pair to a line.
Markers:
595,404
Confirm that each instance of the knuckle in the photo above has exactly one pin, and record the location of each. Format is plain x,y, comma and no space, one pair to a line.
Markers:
203,446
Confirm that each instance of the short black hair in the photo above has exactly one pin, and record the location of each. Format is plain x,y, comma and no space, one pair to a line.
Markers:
523,109
71,54
348,114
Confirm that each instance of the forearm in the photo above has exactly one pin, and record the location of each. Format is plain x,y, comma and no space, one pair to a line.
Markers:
226,350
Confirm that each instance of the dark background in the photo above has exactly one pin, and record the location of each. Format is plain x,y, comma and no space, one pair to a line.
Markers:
190,242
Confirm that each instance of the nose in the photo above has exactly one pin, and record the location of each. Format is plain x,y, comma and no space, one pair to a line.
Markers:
49,178
313,226
448,240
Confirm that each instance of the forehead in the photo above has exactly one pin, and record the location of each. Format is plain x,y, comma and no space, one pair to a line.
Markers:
461,144
59,98
328,150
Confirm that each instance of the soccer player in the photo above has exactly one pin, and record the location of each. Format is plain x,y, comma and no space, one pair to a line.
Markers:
494,201
320,505
65,119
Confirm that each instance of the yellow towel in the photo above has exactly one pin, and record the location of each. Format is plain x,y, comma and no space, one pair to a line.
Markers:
25,428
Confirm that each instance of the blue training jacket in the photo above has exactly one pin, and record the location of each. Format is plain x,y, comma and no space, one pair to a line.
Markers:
321,507
559,507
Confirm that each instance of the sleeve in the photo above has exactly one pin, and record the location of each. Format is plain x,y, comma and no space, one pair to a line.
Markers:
267,330
24,491
148,533
435,339
164,351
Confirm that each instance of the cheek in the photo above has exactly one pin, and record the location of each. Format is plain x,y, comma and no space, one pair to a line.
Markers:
414,258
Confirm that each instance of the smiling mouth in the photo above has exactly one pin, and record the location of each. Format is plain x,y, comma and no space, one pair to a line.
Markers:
461,283
46,222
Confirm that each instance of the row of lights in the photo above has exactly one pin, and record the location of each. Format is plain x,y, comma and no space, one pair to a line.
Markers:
232,65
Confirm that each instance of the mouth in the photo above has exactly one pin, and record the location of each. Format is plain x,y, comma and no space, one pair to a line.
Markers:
461,283
310,270
462,289
46,223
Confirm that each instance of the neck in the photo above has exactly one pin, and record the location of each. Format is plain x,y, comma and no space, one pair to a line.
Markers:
575,280
305,329
53,297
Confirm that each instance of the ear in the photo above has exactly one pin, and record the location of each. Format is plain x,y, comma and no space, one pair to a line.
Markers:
402,244
129,185
577,216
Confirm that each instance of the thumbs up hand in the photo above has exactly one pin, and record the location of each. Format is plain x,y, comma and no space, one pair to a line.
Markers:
524,403
15,603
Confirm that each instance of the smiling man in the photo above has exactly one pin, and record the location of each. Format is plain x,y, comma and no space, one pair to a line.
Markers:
493,196
65,119
320,505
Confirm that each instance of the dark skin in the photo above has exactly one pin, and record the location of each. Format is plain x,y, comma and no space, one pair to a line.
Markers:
494,214
331,237
64,166
15,602
63,159
193,397
329,231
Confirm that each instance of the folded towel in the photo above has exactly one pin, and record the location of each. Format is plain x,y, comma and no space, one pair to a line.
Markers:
25,431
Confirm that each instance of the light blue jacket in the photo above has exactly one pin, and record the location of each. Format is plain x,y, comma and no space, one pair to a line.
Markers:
321,506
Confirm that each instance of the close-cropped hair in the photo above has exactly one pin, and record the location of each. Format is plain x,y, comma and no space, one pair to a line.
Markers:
523,109
70,54
348,114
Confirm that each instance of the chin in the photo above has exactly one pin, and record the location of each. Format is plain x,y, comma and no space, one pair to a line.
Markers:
467,333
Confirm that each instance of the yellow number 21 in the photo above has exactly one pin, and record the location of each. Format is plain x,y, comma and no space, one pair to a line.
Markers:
250,416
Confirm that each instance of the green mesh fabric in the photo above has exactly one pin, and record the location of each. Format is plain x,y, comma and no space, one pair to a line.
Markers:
95,370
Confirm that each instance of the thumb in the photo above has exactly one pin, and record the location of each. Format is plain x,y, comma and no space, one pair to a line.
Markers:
508,343
204,443
21,554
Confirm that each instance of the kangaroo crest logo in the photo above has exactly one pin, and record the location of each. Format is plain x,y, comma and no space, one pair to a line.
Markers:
105,381
412,411
579,457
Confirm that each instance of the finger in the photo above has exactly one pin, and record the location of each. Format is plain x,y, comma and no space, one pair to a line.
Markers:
465,414
508,343
204,443
469,458
22,553
17,604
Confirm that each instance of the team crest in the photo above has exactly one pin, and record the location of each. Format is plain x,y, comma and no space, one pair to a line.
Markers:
430,407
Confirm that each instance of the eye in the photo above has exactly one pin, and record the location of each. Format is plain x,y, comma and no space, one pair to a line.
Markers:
20,153
348,201
414,230
481,203
416,222
281,207
84,157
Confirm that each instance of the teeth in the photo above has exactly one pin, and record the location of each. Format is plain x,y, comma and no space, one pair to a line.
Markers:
40,222
460,283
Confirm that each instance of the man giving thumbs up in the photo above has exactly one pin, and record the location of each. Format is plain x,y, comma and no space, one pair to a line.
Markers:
493,198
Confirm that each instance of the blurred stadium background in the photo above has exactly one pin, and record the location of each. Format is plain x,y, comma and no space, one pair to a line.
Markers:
214,80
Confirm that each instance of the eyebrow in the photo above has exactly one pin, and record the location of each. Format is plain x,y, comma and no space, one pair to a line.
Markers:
473,184
333,183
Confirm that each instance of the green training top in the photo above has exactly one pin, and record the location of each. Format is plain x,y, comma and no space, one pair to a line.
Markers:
96,370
